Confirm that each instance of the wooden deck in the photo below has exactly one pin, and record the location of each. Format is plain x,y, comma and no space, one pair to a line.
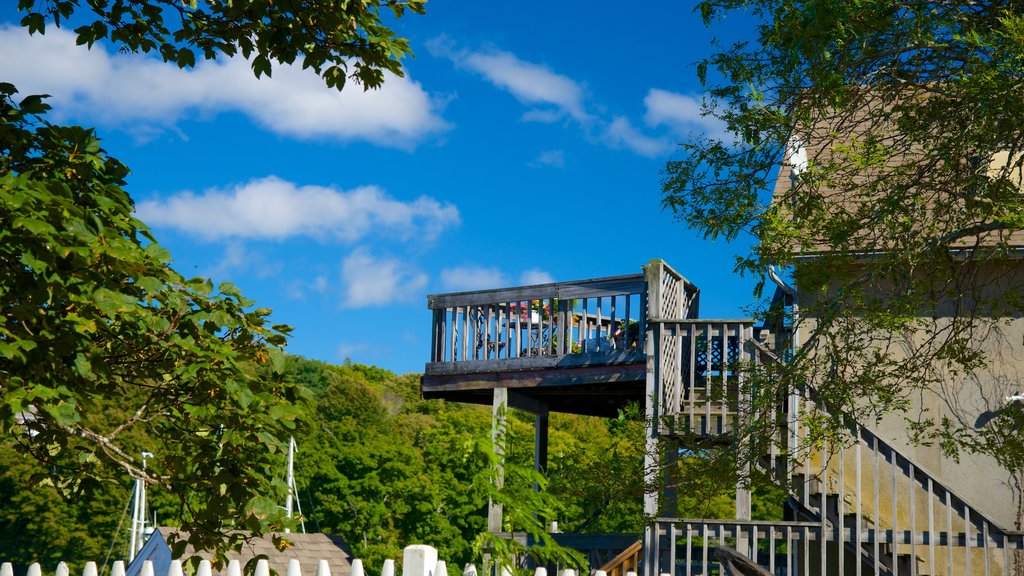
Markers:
576,347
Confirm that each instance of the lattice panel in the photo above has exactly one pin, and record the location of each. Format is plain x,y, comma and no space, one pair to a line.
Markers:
732,353
669,373
671,296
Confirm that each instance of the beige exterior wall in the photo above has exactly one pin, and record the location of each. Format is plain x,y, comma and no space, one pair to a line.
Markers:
971,401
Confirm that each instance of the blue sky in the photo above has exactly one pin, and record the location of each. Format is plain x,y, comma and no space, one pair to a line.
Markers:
524,145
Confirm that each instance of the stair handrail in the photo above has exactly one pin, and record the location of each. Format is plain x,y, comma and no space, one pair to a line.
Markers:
620,564
958,503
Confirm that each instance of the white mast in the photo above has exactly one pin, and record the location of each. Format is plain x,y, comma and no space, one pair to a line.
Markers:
292,488
138,513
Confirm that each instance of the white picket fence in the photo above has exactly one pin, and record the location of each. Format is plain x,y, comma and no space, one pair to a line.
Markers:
417,560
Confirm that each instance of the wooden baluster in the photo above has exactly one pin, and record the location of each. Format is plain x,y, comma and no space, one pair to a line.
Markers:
877,510
692,392
967,532
453,345
913,519
708,343
931,528
724,372
841,510
949,533
895,497
626,321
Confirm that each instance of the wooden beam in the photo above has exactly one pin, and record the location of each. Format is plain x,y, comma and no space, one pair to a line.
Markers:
547,362
521,401
631,283
566,377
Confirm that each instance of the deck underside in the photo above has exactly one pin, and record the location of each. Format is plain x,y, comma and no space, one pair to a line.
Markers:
600,390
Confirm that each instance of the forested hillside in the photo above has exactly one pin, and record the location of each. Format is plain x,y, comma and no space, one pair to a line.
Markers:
376,465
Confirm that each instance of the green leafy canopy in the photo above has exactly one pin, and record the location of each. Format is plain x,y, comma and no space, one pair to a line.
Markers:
337,39
100,339
900,128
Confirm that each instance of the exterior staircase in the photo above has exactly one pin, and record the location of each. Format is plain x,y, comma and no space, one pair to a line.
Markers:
856,506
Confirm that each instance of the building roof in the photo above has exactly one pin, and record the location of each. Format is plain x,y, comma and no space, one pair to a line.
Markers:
308,549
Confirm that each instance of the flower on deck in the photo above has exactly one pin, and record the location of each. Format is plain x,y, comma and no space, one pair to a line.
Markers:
523,309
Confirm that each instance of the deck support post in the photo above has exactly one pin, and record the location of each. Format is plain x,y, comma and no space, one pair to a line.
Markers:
540,442
650,471
498,416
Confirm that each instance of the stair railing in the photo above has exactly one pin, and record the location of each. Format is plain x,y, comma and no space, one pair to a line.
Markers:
863,494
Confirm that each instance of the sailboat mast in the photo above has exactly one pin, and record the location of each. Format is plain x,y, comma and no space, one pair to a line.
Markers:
292,497
138,513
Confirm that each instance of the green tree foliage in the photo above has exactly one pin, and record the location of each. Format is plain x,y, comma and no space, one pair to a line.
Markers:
383,469
93,320
100,339
904,123
329,36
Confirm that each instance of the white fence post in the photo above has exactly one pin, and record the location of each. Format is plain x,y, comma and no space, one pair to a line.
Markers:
262,567
294,569
90,569
173,570
35,569
388,569
118,568
323,568
419,560
6,569
357,568
441,568
204,569
469,570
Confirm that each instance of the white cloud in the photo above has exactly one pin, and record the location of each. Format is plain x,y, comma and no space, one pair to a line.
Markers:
272,208
376,281
542,116
467,278
535,276
530,83
681,113
298,289
554,158
142,93
239,259
621,134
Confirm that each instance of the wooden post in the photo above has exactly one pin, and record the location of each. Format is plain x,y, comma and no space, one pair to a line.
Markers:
653,281
498,415
419,560
540,441
668,507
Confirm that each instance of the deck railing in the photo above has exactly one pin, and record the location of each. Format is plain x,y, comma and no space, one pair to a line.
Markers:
514,327
699,373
